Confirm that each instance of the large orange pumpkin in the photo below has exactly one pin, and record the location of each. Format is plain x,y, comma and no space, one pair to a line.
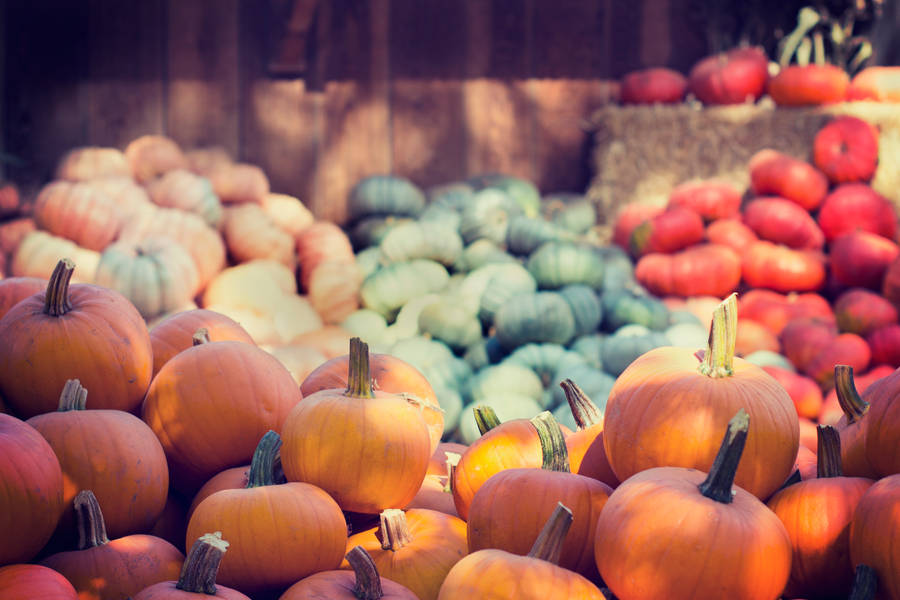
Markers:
669,389
176,333
883,427
874,531
82,332
78,212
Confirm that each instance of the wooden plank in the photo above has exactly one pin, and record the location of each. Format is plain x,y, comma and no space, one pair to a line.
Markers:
427,39
570,39
202,73
126,70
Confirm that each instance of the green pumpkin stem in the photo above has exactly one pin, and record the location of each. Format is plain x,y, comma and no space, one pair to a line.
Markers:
198,573
89,519
201,336
393,530
718,360
264,466
73,397
485,418
56,299
453,459
554,453
865,583
359,383
583,409
368,581
828,463
548,544
717,485
854,407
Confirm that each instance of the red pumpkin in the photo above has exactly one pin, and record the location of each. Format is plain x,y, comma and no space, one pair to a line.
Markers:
710,198
805,392
671,230
753,336
874,531
846,149
809,85
861,259
732,233
629,217
885,345
880,83
776,267
705,269
784,222
845,349
856,206
776,310
734,77
15,289
804,337
655,85
774,173
862,311
19,582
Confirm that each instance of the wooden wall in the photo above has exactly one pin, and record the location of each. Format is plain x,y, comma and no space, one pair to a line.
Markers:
434,90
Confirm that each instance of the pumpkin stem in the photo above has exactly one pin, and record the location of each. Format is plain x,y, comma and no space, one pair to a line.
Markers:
865,583
607,593
717,485
583,409
393,532
73,397
548,544
553,443
266,460
56,300
198,573
854,407
368,581
201,336
359,385
485,418
828,452
91,527
718,361
452,460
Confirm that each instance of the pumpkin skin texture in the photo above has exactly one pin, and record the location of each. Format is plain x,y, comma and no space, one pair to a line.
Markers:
15,289
732,233
712,199
18,582
846,149
152,155
175,333
777,267
702,270
93,444
385,447
856,206
809,85
629,217
884,343
92,162
862,311
873,535
31,490
365,583
775,310
80,331
844,349
861,259
671,230
644,400
78,212
778,174
883,425
245,387
656,85
784,222
732,77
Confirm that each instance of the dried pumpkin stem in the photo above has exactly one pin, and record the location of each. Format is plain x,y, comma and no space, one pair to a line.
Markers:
393,531
828,463
198,573
549,542
718,361
266,457
485,418
717,485
201,336
854,407
368,581
865,583
73,397
583,409
553,444
91,527
359,384
56,299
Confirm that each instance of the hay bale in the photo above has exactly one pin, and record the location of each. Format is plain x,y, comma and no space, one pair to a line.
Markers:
641,152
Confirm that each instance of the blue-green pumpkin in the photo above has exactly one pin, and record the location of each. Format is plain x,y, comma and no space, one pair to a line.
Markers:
626,344
504,378
392,286
590,347
539,317
618,268
384,195
570,211
486,215
557,264
525,234
632,306
524,193
451,322
480,253
421,239
586,307
370,231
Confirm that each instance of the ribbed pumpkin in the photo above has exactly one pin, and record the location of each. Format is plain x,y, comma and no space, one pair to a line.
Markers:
538,317
39,252
873,534
712,199
152,155
860,258
250,234
384,195
653,85
92,162
364,583
31,490
846,149
334,290
385,441
131,198
525,234
392,286
34,581
267,521
176,333
777,267
782,221
809,85
421,239
883,427
862,311
78,212
730,232
189,192
247,390
287,212
856,206
778,174
628,218
701,270
80,331
104,569
92,444
156,274
557,264
693,399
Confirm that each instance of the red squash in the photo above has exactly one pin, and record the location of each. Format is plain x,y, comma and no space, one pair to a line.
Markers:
702,270
652,86
879,83
885,345
805,392
732,77
857,207
862,311
629,217
670,231
777,310
710,198
732,233
861,259
846,149
809,85
782,221
776,267
778,174
804,337
845,349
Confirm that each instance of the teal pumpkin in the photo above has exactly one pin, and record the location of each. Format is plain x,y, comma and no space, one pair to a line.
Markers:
486,216
590,347
626,344
504,378
525,234
370,231
618,268
392,286
628,306
586,307
538,317
452,196
572,212
544,359
524,193
384,195
451,322
421,239
557,264
481,253
444,215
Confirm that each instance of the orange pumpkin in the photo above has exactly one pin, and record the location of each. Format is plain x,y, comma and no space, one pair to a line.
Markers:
234,478
883,427
15,289
322,241
80,331
176,333
434,494
587,456
266,522
874,531
364,583
18,582
150,156
39,252
670,389
182,189
239,182
250,234
104,569
78,212
852,425
385,441
334,290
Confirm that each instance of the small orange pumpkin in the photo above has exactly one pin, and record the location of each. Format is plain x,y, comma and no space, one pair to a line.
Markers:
364,583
